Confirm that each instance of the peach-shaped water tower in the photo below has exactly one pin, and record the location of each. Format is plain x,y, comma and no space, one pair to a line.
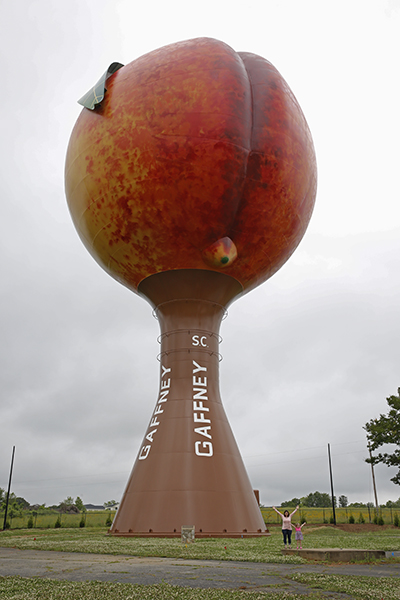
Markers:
191,183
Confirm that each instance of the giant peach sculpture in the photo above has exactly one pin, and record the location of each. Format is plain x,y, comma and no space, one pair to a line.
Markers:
191,182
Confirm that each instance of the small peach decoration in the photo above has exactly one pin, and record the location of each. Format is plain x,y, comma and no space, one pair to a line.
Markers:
221,254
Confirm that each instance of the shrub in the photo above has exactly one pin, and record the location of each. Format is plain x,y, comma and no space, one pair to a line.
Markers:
351,519
302,517
380,520
331,520
58,522
108,521
82,522
361,518
396,520
375,519
30,522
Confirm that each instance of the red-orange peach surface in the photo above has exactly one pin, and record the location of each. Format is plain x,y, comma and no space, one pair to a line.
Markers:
193,144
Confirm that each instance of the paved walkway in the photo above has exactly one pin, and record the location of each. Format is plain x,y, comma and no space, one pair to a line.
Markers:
74,566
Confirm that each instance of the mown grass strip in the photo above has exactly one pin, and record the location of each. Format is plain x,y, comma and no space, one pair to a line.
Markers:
360,587
20,588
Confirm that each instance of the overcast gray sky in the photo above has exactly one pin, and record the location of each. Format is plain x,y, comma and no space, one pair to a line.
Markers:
318,343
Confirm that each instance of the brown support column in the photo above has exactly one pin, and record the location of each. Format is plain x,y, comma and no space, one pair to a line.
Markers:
189,470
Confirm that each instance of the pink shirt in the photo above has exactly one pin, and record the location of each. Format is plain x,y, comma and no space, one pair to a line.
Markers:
286,521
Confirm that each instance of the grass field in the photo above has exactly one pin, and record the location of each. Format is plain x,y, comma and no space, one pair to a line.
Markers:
310,515
47,520
324,515
268,549
96,540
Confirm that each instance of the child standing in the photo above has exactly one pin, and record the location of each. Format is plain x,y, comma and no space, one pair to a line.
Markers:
299,534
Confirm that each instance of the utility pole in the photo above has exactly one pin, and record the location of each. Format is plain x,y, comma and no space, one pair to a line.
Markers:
9,489
333,497
373,478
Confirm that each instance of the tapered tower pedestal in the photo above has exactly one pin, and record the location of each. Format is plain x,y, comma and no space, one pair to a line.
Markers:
189,471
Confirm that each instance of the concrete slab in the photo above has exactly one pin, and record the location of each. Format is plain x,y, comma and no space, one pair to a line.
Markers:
336,554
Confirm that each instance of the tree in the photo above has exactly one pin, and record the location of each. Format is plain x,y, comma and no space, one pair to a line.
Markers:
293,502
393,504
79,504
109,504
386,430
11,499
343,501
317,499
68,506
22,503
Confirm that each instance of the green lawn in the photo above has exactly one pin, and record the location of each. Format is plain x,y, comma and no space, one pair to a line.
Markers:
268,549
